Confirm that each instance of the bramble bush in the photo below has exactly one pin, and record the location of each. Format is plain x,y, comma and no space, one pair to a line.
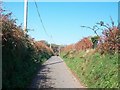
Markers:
21,55
98,67
110,41
83,44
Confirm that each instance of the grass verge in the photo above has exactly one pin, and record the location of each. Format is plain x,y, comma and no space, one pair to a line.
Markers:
95,71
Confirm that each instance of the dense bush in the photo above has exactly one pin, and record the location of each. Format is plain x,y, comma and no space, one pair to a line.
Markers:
98,67
21,55
67,48
110,41
83,44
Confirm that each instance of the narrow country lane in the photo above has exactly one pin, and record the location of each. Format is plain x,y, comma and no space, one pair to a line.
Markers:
55,74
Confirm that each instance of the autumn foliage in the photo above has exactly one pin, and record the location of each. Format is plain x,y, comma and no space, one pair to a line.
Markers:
97,67
83,44
21,54
110,41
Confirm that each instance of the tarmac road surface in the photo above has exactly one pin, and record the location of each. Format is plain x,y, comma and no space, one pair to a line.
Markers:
55,74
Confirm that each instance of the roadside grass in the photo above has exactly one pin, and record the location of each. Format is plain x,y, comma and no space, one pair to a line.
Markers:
94,71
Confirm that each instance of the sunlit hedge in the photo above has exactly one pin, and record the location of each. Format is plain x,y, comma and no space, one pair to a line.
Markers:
21,55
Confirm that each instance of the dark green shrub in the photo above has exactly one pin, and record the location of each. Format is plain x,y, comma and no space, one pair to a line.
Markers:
19,54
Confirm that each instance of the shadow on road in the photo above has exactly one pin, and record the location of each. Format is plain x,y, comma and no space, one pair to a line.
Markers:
42,80
54,74
54,63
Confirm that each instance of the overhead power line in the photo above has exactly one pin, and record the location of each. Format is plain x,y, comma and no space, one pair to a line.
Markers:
41,19
42,22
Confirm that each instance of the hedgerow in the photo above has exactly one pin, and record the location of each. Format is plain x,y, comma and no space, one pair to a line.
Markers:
96,64
21,55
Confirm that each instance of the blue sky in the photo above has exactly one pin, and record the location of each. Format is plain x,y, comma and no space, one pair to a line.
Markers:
63,19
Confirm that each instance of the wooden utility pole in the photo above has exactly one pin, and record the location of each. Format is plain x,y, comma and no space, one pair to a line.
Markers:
25,15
